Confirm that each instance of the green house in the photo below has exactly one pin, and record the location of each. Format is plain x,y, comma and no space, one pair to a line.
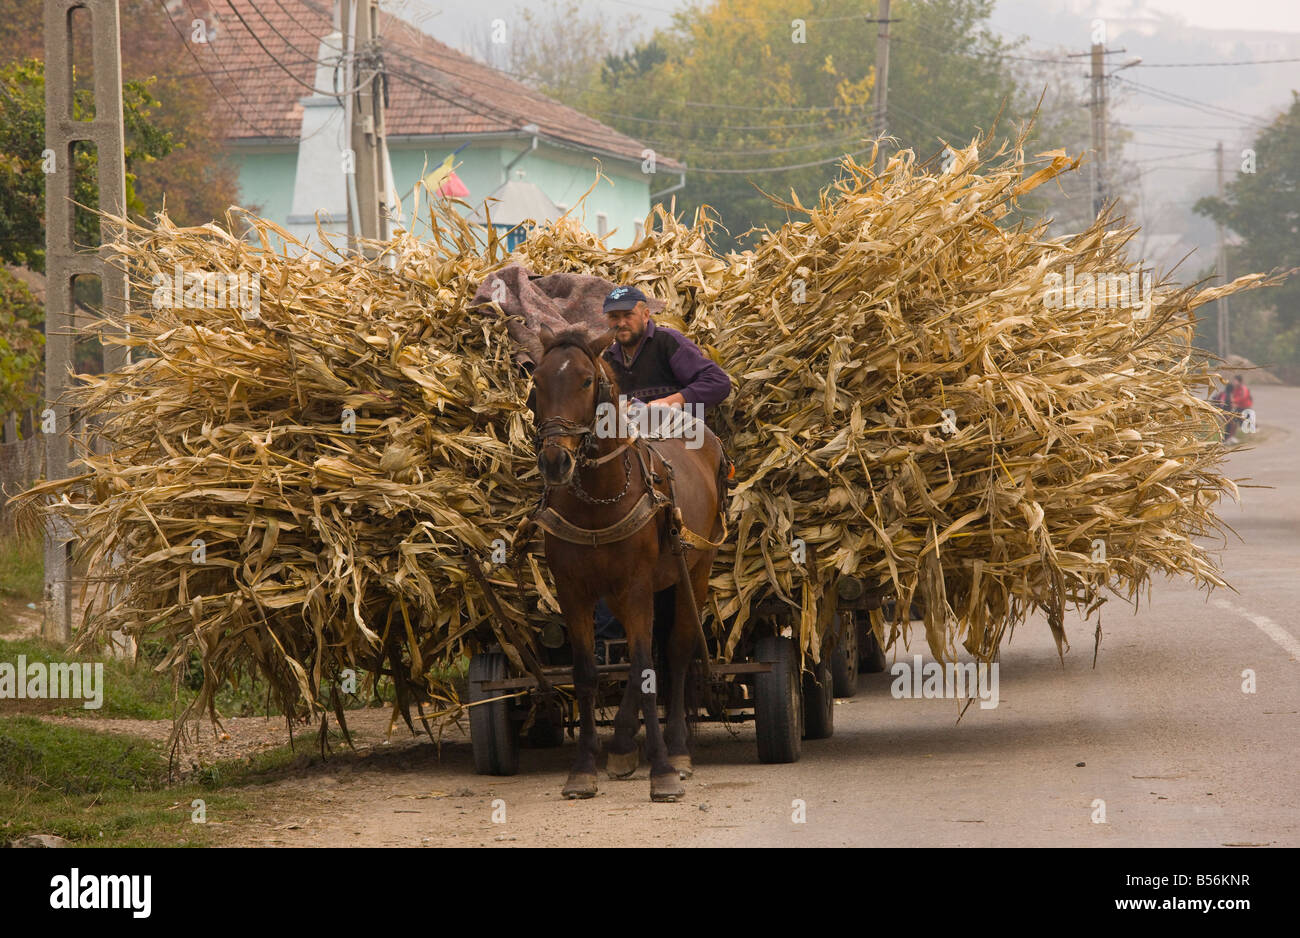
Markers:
288,129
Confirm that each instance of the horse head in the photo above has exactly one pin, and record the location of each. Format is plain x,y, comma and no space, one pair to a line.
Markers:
571,382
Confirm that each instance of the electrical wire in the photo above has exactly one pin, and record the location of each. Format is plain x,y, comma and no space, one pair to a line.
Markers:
1212,64
1172,98
778,169
206,74
864,17
730,151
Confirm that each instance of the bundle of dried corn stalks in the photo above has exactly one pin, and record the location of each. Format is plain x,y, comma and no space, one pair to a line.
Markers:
928,397
292,493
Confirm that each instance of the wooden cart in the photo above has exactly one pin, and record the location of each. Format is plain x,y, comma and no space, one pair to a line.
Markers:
762,681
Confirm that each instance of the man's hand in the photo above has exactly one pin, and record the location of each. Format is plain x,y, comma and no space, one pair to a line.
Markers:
672,400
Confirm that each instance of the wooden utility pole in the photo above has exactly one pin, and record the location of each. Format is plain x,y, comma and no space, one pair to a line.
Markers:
361,17
882,77
1224,318
64,262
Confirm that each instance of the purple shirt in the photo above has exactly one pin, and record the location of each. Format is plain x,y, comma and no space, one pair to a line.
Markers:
675,362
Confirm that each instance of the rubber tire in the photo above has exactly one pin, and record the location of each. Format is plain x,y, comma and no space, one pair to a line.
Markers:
493,735
818,702
872,659
844,658
778,701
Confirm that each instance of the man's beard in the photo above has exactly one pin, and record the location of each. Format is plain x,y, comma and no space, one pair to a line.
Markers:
633,339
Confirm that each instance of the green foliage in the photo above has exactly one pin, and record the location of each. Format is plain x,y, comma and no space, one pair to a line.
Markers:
731,86
73,761
1263,207
23,165
109,790
22,568
21,345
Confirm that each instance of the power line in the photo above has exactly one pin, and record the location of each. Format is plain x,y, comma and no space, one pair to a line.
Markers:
981,55
729,127
724,151
1174,156
1161,146
752,19
309,57
1212,64
464,103
204,72
337,95
992,54
918,119
1173,98
1183,126
778,169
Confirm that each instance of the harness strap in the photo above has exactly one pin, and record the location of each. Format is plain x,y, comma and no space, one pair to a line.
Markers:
552,522
691,539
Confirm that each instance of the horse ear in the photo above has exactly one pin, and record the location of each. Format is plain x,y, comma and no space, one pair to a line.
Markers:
598,345
547,337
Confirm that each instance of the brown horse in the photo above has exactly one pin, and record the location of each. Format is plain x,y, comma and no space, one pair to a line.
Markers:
609,529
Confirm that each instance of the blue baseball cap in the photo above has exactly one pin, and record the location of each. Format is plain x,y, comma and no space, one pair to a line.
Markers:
624,298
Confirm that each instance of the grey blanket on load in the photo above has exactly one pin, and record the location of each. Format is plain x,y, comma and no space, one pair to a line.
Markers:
556,301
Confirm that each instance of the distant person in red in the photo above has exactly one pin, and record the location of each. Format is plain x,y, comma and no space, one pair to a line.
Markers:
1236,399
1241,402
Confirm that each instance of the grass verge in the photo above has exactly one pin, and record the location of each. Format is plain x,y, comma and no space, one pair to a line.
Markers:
105,789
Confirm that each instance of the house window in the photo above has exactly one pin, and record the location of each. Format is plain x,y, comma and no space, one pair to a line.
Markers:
602,224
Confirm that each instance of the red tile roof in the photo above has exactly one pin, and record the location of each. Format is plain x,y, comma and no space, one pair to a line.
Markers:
433,89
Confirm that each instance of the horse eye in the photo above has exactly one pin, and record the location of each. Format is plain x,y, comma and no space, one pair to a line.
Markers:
587,383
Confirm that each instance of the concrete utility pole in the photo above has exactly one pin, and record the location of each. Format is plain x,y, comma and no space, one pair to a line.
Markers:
1224,318
63,261
1098,127
359,20
882,77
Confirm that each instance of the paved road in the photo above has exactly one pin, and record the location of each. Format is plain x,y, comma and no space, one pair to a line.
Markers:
1160,731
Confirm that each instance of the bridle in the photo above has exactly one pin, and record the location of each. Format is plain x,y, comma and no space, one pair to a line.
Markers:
553,427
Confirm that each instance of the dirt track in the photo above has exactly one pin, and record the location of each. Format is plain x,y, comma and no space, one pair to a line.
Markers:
1160,731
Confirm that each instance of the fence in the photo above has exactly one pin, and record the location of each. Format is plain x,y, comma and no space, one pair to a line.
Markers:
22,459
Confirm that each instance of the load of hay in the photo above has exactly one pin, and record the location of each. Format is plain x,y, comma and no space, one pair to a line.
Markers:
291,494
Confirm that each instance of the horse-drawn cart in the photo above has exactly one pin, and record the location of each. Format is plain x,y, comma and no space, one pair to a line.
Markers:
764,680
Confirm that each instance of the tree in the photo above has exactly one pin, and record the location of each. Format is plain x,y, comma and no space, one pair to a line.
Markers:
559,49
193,176
23,163
784,90
21,345
1263,207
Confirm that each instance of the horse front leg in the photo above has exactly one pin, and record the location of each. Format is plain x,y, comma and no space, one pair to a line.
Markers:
579,611
636,612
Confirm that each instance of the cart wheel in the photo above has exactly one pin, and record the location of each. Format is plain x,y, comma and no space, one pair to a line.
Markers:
819,701
494,736
872,660
844,659
778,701
547,730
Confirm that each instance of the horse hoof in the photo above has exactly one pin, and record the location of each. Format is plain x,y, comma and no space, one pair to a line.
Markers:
580,785
683,765
667,787
622,764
